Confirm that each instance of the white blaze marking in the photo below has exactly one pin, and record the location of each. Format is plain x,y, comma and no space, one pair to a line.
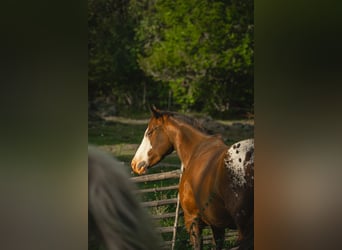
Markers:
142,152
236,161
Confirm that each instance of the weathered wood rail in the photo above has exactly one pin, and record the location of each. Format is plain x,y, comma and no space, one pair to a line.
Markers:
157,177
159,202
157,189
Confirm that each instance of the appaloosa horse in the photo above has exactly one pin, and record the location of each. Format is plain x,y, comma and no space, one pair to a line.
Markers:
217,184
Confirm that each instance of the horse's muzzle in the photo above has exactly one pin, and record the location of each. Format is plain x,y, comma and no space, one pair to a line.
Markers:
139,168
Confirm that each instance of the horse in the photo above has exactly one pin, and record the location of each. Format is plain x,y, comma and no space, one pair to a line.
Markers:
217,183
115,216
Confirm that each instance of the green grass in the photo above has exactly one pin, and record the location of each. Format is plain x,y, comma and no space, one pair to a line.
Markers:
112,133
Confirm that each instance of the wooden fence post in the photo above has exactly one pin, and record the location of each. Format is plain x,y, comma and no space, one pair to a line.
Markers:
176,216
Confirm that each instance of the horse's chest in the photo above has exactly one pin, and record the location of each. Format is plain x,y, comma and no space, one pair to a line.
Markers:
200,199
187,196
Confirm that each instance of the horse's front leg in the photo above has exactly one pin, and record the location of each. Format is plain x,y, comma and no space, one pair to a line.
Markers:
195,227
218,234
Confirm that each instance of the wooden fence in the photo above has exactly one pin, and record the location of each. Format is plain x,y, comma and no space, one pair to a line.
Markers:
174,174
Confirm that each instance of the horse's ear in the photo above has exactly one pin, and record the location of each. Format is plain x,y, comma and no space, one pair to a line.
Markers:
155,112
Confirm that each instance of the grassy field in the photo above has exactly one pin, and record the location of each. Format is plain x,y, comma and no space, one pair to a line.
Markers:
121,137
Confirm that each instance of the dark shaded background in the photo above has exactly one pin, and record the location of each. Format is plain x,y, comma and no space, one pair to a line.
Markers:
43,142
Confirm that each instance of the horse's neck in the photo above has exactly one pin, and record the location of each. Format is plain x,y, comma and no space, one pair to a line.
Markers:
185,141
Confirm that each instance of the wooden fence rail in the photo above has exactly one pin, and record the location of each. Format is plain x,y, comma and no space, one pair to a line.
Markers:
165,229
159,202
157,189
164,216
157,177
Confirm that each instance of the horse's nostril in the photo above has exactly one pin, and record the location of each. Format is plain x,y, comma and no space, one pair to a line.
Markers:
141,164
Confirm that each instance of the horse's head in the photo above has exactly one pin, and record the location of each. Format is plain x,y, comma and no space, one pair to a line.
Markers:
155,144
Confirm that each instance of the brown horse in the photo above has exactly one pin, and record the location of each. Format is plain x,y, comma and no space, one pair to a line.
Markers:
217,184
115,215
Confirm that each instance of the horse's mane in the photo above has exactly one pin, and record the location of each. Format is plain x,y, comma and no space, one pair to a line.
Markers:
114,210
193,122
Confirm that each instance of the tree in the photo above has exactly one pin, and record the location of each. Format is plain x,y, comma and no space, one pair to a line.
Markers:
203,49
112,64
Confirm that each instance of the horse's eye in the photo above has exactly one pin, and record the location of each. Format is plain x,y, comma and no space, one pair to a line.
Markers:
149,133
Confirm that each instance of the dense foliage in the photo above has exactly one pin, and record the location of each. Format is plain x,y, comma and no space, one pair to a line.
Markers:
200,51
